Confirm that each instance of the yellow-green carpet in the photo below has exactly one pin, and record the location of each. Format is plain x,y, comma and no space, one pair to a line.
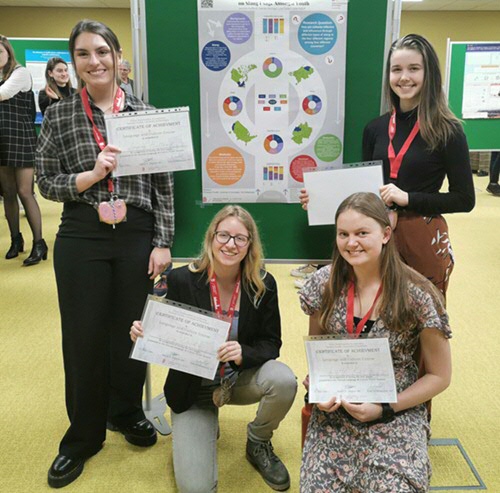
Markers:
33,417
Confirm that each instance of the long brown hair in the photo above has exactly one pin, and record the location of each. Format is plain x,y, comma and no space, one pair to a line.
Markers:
395,307
251,271
51,65
11,62
95,27
437,123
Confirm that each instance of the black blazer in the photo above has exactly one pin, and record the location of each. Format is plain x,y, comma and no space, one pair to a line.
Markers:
259,330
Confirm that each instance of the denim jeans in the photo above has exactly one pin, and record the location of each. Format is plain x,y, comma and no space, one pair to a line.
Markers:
273,385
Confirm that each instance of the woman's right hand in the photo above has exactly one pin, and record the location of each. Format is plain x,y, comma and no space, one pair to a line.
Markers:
330,406
136,330
106,162
50,93
304,198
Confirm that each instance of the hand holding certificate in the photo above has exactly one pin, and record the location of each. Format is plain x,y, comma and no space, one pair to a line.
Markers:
355,370
181,337
152,141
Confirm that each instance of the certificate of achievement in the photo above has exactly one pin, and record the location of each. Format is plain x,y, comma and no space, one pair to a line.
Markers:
181,337
355,370
327,188
151,141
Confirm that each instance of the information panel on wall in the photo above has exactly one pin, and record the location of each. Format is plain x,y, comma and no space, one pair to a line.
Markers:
482,81
272,85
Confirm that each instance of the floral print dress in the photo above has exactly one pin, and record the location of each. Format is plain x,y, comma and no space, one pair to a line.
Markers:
342,454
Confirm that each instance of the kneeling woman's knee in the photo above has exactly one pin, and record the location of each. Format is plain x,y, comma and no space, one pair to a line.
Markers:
280,377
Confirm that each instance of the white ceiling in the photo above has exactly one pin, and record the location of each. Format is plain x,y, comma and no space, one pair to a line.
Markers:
471,5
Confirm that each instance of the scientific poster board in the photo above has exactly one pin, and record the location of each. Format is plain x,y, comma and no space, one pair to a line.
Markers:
483,134
272,79
173,75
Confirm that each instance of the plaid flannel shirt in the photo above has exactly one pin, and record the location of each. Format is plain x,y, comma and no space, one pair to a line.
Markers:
66,147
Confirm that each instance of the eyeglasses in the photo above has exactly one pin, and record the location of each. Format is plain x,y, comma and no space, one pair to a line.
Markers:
223,237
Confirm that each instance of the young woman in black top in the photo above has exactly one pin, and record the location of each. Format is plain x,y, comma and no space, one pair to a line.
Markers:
420,143
58,84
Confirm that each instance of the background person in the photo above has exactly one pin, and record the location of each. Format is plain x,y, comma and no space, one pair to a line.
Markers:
17,153
493,186
228,274
374,447
58,84
127,84
103,272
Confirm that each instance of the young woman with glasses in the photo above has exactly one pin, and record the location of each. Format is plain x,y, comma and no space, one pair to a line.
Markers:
228,278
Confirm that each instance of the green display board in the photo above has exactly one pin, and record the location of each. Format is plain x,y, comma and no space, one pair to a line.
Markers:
482,135
173,60
20,46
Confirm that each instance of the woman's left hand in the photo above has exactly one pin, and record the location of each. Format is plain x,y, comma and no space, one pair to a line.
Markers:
391,195
230,351
365,412
158,261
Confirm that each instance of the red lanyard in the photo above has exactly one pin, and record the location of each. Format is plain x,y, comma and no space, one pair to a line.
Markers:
394,160
117,103
214,291
350,310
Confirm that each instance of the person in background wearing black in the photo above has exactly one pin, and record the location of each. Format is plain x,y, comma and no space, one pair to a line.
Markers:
58,84
17,153
493,186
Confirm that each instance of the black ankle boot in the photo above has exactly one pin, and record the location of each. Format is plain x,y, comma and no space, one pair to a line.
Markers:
16,246
38,252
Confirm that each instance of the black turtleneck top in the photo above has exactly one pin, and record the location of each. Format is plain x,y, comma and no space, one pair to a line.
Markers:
45,101
422,172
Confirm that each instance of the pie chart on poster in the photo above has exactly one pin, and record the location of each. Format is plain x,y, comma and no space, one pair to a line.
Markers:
272,67
311,104
273,144
232,106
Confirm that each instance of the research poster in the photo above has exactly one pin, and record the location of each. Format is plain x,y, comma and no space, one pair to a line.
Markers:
272,79
481,95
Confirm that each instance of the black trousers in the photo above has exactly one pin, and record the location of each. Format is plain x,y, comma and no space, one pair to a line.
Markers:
102,285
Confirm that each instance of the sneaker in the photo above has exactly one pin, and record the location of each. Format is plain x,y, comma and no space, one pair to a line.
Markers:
261,455
303,271
482,172
494,188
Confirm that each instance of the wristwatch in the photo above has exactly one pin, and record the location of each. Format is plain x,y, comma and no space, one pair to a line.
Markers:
388,413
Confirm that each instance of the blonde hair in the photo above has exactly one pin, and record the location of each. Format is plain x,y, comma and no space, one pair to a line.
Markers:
437,123
251,271
395,307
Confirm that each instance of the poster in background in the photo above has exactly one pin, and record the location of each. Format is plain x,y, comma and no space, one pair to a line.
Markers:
36,62
481,95
272,77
